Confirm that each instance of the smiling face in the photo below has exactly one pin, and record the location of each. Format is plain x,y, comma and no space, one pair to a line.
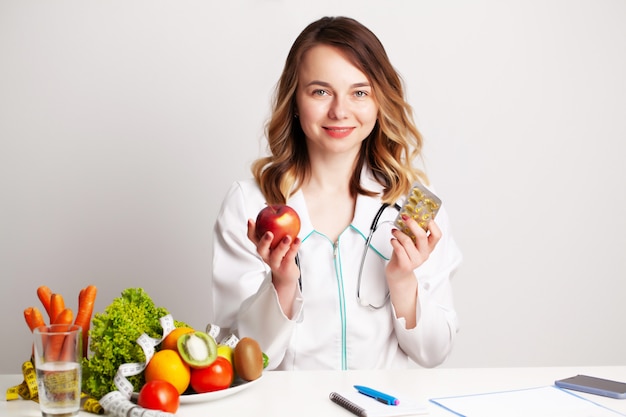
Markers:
335,102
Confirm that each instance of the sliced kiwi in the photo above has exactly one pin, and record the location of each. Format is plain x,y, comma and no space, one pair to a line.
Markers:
198,349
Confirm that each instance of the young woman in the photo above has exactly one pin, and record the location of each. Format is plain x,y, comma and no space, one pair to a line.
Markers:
342,149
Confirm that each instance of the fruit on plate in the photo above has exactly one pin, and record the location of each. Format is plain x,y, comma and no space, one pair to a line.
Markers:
167,365
171,340
197,349
217,376
248,359
225,351
159,395
281,220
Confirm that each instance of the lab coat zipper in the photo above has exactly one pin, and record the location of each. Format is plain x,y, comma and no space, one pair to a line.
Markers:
342,304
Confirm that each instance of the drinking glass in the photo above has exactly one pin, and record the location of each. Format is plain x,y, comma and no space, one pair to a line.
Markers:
57,353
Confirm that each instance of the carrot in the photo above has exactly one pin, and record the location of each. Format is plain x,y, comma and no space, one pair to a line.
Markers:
54,345
86,301
68,349
44,293
65,317
57,305
34,318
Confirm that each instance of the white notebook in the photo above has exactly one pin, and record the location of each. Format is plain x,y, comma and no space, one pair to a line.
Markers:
548,401
364,406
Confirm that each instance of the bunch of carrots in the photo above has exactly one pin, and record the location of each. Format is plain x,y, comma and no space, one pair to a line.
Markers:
58,313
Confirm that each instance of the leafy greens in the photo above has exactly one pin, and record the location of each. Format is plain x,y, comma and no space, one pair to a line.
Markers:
113,337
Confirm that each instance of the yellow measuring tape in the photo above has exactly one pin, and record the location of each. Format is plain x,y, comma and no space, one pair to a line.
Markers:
90,404
28,391
28,388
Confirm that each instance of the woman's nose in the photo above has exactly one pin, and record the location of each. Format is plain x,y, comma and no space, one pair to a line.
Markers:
338,109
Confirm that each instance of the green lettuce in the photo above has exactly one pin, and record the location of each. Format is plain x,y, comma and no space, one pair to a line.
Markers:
113,340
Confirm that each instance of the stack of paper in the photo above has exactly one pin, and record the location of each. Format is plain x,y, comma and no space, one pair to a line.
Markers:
549,401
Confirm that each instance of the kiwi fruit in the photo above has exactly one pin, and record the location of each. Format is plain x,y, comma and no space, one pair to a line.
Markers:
248,359
198,349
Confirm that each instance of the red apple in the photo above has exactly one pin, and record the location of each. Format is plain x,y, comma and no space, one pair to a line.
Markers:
279,219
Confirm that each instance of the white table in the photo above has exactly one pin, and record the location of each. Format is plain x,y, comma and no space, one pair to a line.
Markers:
305,393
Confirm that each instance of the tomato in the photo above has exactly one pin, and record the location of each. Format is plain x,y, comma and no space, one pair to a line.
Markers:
217,376
159,395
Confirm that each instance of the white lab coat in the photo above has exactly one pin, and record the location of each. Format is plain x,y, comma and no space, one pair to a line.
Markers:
330,330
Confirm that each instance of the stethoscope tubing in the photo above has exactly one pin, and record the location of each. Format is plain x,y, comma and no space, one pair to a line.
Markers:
368,240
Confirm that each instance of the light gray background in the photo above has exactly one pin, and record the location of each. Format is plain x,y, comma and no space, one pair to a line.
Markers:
122,123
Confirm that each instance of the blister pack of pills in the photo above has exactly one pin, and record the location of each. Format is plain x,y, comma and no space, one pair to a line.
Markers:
421,204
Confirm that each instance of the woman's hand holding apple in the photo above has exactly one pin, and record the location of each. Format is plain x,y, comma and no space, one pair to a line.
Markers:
281,258
275,234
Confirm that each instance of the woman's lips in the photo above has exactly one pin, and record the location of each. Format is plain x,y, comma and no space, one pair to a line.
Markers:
338,132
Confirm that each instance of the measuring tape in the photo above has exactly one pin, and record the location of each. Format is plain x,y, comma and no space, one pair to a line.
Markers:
28,388
118,403
214,330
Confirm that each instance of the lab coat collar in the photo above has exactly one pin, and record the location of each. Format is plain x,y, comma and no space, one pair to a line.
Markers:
296,201
365,210
366,207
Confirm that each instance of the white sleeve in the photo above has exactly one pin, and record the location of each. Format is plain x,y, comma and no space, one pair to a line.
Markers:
431,341
245,301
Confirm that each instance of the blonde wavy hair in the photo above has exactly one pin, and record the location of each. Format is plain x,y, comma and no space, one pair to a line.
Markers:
389,150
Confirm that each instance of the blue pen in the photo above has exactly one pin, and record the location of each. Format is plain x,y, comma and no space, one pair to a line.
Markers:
377,395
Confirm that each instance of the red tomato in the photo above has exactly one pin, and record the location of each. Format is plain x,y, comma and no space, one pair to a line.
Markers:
159,395
217,376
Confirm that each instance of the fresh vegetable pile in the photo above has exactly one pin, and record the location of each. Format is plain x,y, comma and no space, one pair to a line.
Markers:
113,339
183,362
58,313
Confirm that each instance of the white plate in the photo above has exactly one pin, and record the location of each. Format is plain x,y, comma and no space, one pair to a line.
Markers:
216,395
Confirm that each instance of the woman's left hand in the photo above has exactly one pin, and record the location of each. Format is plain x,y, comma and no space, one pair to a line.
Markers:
408,254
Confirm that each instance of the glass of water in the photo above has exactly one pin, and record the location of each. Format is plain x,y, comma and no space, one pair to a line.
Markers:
58,353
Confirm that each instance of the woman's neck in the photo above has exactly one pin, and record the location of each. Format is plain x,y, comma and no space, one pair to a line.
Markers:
327,195
330,173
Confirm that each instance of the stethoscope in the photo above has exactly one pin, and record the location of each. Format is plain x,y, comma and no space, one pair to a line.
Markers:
373,228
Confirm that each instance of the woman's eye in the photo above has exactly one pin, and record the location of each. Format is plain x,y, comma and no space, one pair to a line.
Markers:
360,94
320,92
